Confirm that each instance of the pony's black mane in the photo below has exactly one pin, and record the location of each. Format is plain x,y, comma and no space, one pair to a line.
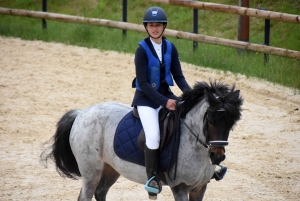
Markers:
217,94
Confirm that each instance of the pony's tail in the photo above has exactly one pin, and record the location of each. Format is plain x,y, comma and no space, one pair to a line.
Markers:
59,149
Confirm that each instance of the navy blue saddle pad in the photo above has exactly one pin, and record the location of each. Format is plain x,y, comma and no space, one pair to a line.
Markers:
125,144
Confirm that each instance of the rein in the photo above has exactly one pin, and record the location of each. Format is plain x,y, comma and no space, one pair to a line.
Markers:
198,140
206,146
218,143
175,142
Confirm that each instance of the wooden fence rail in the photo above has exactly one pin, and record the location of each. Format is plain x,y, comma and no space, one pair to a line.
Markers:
251,12
140,28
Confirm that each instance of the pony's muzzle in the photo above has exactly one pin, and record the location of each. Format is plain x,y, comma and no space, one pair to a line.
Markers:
217,156
217,151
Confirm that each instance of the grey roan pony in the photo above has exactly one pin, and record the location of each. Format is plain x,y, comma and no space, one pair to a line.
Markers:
83,143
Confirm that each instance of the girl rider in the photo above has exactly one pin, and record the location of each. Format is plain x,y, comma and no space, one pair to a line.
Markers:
156,65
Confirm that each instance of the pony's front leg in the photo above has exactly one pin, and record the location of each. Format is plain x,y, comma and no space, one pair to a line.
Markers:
180,192
197,196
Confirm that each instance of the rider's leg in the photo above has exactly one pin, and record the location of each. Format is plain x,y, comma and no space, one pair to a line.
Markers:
153,185
149,119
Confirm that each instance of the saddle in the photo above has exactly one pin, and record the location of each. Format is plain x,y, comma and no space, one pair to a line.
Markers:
167,126
129,139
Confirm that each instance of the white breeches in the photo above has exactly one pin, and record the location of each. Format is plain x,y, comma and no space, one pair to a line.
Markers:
149,119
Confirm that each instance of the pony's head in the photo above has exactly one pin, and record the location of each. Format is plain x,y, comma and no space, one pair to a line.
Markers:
223,112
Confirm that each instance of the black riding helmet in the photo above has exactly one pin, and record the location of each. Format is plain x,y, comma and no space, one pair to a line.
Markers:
155,14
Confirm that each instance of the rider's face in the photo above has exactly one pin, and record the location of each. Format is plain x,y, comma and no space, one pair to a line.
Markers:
155,29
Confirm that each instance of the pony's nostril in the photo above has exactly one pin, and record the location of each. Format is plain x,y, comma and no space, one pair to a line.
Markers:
221,157
216,158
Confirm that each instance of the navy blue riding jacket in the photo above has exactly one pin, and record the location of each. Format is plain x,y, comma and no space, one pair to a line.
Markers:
148,95
154,67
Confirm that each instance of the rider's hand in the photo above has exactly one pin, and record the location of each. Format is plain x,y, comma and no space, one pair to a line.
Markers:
171,104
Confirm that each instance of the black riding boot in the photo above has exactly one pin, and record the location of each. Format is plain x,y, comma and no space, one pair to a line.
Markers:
219,174
153,185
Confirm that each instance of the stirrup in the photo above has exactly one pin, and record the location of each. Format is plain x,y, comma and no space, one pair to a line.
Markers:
153,189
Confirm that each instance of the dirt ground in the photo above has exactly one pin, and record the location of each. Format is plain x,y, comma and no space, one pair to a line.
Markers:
41,81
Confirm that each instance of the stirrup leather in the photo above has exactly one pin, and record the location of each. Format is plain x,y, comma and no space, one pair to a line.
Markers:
153,185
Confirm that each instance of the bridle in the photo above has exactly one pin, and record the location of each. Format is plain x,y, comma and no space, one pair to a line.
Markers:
215,143
205,145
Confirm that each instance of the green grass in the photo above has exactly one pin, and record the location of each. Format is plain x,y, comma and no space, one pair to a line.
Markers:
279,70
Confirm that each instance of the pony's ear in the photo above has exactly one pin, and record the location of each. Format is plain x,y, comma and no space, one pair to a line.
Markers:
236,94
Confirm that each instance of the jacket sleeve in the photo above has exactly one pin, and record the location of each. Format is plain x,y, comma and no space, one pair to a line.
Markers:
177,71
141,69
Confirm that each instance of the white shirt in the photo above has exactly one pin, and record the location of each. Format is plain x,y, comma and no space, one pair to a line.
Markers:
158,49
